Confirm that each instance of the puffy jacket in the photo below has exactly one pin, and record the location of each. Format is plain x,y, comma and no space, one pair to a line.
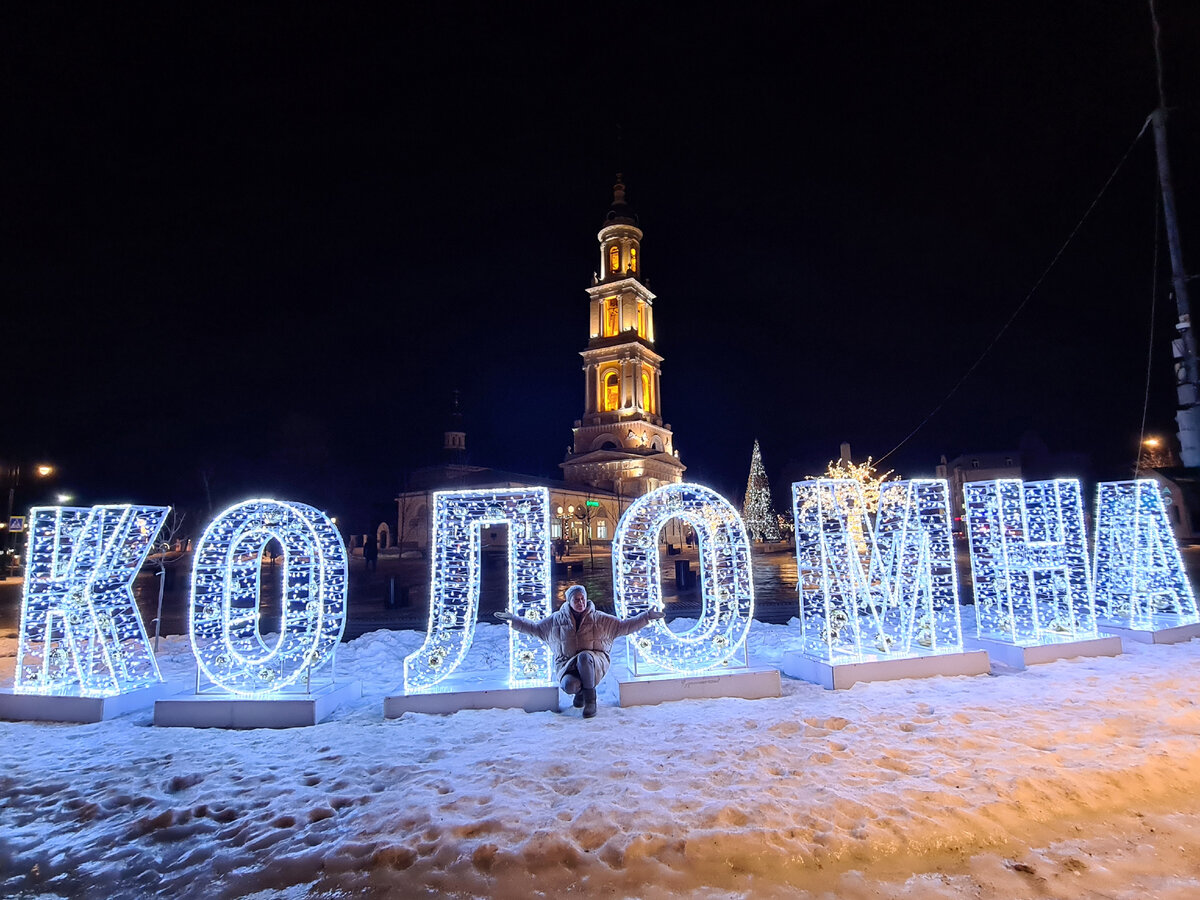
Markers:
596,632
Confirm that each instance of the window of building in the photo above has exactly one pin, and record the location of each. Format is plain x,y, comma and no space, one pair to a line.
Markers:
612,391
614,258
612,316
601,530
633,259
641,320
1008,460
974,464
647,395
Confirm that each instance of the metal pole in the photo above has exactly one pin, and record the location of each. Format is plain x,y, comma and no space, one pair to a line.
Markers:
14,475
162,583
1187,384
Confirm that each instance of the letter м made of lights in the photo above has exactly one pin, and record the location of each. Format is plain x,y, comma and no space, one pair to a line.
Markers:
227,640
81,633
458,517
726,584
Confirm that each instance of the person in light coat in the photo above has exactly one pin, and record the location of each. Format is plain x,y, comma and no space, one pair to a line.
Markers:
581,639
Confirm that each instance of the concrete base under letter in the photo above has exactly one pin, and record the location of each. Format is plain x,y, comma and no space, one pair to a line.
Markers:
1173,634
456,697
1016,656
837,676
82,710
752,683
230,711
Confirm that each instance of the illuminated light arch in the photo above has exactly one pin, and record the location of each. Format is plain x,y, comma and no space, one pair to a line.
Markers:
1029,561
224,621
458,517
887,591
81,633
727,588
1139,580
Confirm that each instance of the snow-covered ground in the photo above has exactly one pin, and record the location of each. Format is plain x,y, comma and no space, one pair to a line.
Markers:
1075,779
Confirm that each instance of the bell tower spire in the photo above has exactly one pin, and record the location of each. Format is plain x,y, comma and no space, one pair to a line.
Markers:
621,443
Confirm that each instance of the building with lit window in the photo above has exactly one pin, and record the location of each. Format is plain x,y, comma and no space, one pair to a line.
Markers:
621,444
621,448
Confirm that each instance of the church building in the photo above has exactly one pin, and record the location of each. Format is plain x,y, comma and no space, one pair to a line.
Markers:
621,448
621,443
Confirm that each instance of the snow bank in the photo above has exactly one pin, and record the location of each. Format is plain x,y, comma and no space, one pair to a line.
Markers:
1072,779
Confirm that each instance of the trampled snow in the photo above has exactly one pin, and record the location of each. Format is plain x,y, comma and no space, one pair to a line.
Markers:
1074,779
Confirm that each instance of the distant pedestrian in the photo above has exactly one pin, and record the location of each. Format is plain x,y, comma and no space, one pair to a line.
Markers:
371,552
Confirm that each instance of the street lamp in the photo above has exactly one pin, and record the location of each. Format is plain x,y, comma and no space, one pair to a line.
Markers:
41,470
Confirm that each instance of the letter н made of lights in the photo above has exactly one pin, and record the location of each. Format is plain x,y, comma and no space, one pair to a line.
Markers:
883,592
225,619
1029,561
1139,575
458,517
81,633
726,585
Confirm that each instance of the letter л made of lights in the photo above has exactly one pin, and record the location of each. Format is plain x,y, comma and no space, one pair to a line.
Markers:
1139,575
888,591
726,585
1029,561
81,633
458,517
227,640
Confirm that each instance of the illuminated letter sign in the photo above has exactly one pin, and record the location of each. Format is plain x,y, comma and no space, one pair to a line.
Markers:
81,633
725,579
454,591
1029,561
1140,580
865,593
229,646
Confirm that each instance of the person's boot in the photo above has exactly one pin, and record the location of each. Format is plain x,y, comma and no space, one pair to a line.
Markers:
589,702
577,700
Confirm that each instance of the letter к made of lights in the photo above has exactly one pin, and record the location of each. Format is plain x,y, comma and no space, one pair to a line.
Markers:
1029,561
885,592
1139,575
458,517
81,633
726,585
229,645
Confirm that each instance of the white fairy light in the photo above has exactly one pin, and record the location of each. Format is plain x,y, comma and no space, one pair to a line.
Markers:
725,577
888,592
230,648
458,517
1139,576
1029,561
81,633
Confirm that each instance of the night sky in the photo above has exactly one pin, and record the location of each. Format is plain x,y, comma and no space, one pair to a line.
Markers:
252,250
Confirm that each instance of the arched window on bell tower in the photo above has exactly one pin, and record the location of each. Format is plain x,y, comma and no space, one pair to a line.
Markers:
611,391
647,395
612,316
633,259
614,258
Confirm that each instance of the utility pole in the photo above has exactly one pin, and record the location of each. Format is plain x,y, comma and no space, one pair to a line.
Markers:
1187,372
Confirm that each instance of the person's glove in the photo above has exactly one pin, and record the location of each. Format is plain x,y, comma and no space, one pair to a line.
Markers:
504,616
655,614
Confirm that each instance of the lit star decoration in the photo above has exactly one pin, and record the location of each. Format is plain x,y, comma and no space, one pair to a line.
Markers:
1140,579
230,649
888,592
81,633
725,578
458,517
1029,561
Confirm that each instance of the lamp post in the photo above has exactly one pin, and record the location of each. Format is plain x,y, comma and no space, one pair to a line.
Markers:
42,470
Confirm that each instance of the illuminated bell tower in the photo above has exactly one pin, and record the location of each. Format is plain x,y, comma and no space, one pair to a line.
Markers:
620,443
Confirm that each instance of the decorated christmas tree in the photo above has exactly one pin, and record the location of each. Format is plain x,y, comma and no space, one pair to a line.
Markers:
757,510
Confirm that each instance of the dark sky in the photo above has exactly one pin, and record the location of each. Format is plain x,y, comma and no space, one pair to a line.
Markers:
262,245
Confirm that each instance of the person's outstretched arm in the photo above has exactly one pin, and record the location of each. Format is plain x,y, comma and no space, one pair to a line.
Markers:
538,629
641,620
